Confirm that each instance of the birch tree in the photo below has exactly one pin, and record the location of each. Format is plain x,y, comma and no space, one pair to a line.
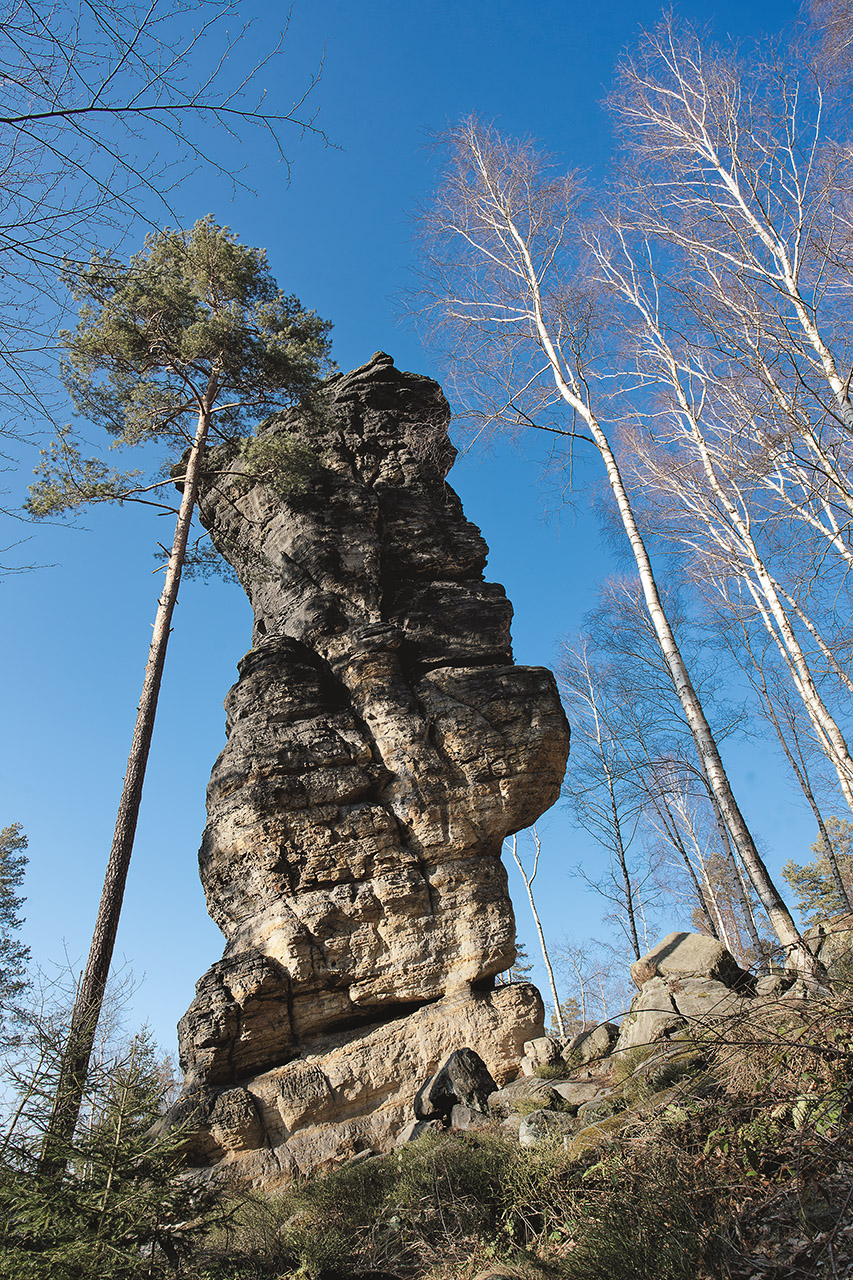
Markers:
191,342
777,704
503,276
528,877
684,846
598,980
732,252
602,789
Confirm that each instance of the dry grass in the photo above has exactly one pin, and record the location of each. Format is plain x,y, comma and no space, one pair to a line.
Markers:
743,1171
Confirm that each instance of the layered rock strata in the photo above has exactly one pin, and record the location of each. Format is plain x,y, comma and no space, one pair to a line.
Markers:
381,745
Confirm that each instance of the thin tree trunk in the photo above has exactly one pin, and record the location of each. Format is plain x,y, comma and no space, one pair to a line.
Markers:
703,897
740,889
621,856
703,737
801,774
826,730
87,1006
120,1119
720,932
528,884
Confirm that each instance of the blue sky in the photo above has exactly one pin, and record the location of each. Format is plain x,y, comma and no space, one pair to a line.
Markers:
339,236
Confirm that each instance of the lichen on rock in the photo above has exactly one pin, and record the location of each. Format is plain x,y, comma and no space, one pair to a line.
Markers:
381,745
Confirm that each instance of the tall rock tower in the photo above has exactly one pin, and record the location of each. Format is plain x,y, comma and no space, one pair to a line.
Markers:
381,745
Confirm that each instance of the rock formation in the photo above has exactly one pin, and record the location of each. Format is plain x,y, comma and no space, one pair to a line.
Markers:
381,745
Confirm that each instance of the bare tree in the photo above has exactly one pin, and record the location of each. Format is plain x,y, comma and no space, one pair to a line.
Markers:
691,479
601,786
596,977
732,252
832,21
108,110
528,878
675,822
776,704
501,273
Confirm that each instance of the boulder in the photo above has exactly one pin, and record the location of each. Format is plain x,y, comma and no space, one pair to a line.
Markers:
418,1129
831,941
652,1016
465,1118
590,1046
690,955
666,1064
602,1107
464,1078
577,1092
544,1051
772,985
234,1121
511,1125
519,1093
703,999
544,1127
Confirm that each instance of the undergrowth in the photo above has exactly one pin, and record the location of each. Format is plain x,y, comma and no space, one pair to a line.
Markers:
740,1169
750,1174
551,1071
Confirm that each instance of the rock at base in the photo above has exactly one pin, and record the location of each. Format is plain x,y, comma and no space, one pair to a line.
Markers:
464,1079
651,1016
353,1091
589,1046
520,1093
544,1127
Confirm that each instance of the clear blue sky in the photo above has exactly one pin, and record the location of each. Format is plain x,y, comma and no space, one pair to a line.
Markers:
339,236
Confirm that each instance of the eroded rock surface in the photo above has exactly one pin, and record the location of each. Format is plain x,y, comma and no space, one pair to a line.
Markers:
381,745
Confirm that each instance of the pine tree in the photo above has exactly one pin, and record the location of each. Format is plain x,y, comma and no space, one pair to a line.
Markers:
521,967
13,954
122,1212
814,884
192,341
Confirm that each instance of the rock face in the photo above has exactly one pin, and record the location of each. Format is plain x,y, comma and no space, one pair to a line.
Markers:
381,745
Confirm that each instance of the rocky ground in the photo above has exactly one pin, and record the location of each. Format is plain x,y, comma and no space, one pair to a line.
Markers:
719,1148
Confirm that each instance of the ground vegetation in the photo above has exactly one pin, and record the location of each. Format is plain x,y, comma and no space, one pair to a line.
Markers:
743,1166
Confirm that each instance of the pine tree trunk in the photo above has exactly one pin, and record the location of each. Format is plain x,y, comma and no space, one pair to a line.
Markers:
87,1006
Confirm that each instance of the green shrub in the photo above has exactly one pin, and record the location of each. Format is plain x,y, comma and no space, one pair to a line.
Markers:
719,1184
408,1209
551,1071
526,1106
643,1229
121,1196
626,1062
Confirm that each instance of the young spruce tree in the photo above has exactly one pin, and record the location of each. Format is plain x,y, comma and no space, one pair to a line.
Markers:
191,343
13,954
